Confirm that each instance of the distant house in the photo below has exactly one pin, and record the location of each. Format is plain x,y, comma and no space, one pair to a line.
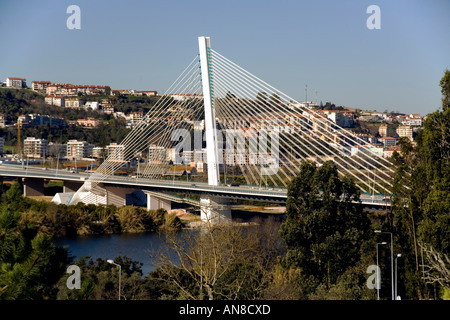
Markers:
58,101
383,130
388,141
145,93
108,108
94,105
134,118
78,149
413,119
2,120
90,122
340,118
97,152
123,92
42,120
67,89
35,148
405,131
115,152
389,151
74,103
40,86
12,82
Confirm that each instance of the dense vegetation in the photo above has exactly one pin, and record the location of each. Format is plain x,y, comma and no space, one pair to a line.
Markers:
14,102
422,208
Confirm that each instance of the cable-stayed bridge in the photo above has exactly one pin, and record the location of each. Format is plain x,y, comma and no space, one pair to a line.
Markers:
218,114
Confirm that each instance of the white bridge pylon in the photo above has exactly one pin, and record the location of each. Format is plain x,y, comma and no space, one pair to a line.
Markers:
218,114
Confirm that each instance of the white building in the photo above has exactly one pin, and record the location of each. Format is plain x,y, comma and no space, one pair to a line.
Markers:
343,119
115,151
157,154
188,156
97,152
405,131
133,119
388,141
78,149
58,101
12,82
170,155
377,151
93,105
35,148
40,86
74,103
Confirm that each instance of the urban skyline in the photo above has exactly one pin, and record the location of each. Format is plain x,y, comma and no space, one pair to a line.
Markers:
330,49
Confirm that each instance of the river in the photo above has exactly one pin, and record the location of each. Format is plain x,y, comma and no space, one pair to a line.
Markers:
142,247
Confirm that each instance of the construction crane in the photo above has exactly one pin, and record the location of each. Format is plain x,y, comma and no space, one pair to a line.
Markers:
19,142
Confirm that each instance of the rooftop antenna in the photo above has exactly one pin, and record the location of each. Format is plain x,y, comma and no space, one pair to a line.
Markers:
306,93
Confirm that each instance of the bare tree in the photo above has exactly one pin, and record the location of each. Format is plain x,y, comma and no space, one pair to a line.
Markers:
437,267
225,260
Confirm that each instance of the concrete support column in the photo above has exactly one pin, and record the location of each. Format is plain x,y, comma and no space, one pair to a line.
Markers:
117,196
155,203
33,187
72,186
214,209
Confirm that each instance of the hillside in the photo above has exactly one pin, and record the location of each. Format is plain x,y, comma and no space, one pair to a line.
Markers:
14,102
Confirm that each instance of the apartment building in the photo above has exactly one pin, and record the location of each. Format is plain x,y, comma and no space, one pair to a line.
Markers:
383,130
157,154
74,103
115,152
12,82
388,141
35,148
78,149
40,86
405,131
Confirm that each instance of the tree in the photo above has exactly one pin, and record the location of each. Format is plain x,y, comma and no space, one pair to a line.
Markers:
275,99
223,261
422,194
30,264
445,90
100,281
322,232
437,268
261,97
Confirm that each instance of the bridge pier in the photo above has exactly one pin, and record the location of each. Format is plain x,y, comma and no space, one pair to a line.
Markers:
214,209
155,203
33,187
72,186
117,196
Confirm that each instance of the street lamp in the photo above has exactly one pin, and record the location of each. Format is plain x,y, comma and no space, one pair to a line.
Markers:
392,263
120,271
398,256
378,274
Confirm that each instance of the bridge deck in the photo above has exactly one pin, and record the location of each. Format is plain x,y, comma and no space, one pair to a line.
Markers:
277,195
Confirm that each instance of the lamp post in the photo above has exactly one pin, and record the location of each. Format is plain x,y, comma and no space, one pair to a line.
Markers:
398,256
392,262
378,274
120,271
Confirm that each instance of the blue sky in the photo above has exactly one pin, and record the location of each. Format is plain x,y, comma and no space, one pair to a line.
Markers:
325,44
